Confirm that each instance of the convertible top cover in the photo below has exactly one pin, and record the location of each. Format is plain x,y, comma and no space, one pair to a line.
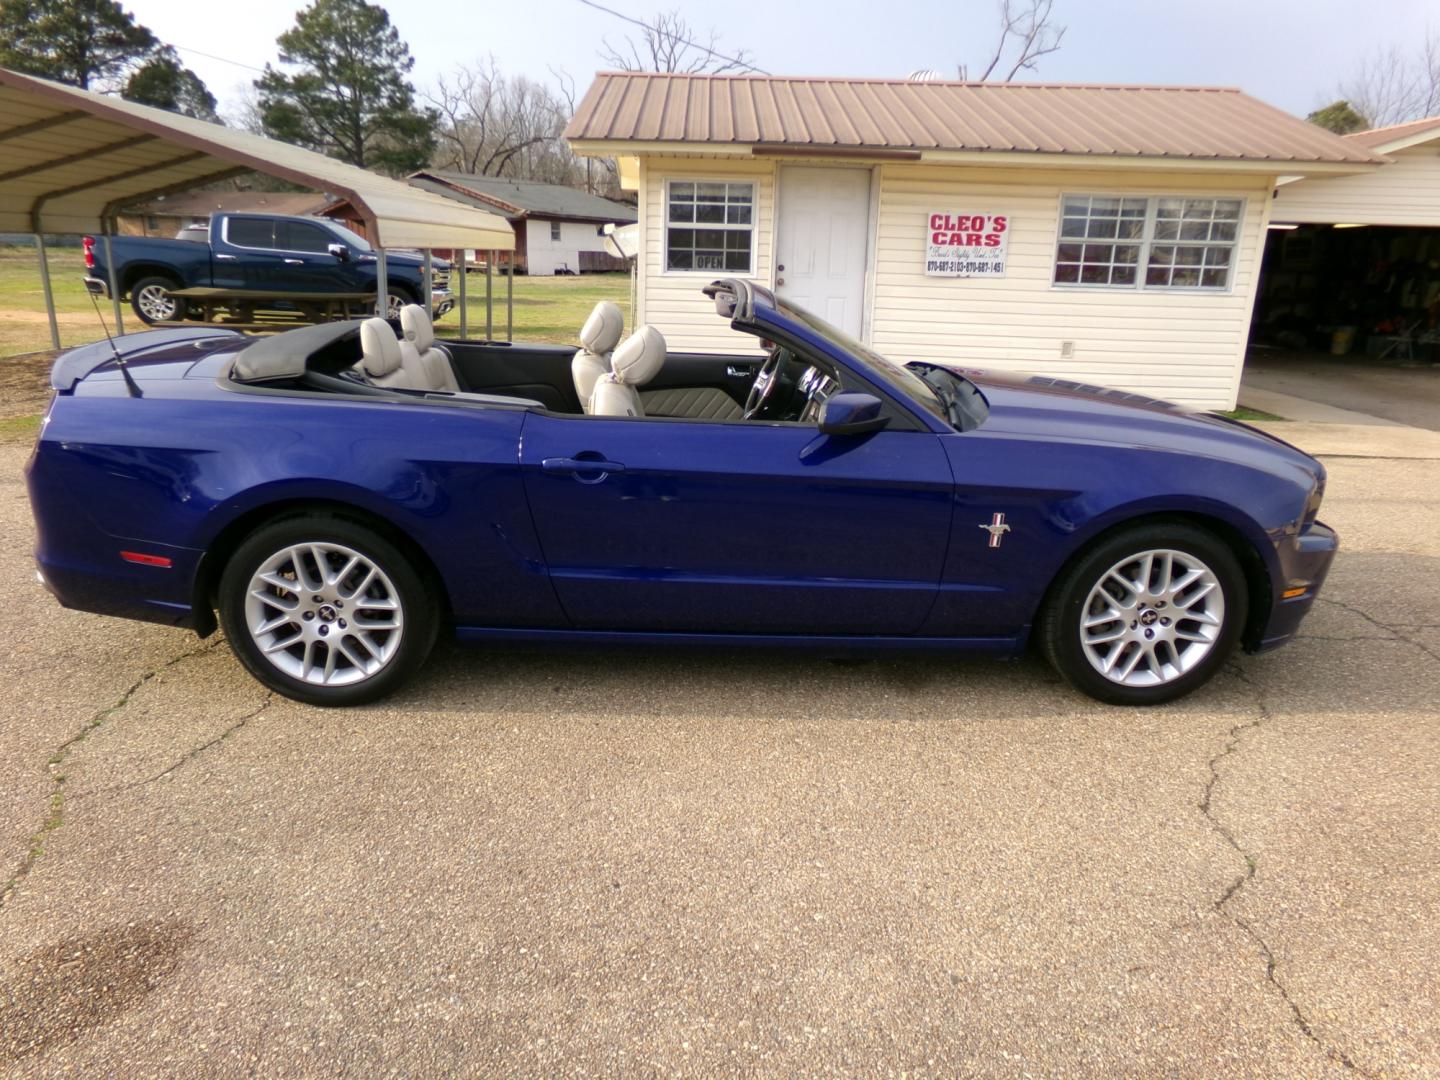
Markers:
327,349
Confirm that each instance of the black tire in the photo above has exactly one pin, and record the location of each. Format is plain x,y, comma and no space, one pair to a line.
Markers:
417,607
397,297
1058,634
142,299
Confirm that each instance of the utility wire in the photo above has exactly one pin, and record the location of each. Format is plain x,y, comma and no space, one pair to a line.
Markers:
739,61
221,59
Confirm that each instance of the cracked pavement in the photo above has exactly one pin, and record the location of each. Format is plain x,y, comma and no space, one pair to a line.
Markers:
581,864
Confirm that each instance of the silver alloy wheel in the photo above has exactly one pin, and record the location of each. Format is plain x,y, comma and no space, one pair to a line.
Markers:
156,303
325,614
393,304
1152,617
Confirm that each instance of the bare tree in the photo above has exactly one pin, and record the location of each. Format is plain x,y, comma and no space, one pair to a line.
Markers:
1395,84
493,124
1026,34
668,43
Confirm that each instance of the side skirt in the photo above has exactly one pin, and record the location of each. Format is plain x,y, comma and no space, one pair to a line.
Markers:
834,644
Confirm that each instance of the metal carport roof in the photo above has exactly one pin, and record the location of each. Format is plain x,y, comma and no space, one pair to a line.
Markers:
70,158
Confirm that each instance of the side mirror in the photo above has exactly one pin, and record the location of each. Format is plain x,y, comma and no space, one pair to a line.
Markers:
340,251
851,414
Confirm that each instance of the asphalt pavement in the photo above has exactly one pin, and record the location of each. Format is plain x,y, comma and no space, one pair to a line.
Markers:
647,864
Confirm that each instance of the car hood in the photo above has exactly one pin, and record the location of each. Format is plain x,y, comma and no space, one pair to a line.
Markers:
1041,406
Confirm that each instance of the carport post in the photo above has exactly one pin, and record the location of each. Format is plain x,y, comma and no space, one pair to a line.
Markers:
429,268
464,314
510,297
382,285
114,285
49,296
489,296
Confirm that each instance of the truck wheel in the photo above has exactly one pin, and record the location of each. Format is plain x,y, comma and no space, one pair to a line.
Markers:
326,611
396,300
150,298
1146,615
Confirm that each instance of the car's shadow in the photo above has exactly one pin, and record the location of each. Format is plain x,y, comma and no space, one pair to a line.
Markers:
1361,649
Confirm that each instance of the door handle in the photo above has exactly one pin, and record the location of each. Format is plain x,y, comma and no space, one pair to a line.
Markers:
594,469
295,262
225,258
740,371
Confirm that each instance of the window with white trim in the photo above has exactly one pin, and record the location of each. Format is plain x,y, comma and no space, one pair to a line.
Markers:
709,225
1129,242
555,231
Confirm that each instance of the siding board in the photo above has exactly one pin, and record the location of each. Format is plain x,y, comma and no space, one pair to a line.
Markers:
1404,193
1188,345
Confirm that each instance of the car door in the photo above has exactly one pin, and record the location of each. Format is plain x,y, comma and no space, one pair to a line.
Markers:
245,256
738,527
306,262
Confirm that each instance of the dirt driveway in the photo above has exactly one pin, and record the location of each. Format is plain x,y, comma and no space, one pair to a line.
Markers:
559,865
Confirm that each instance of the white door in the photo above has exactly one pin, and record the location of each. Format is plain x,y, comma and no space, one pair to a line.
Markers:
823,234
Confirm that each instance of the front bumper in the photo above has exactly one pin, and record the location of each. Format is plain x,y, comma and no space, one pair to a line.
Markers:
1304,562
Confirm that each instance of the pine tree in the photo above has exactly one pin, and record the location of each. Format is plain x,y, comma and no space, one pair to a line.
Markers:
1339,117
349,97
80,42
164,82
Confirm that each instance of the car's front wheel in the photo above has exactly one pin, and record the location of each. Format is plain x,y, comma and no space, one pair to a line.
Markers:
326,611
1146,615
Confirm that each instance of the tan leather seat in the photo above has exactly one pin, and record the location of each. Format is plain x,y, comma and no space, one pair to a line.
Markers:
633,364
381,361
598,338
430,364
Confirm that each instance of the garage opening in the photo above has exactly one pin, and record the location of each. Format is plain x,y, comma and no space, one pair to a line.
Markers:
1350,315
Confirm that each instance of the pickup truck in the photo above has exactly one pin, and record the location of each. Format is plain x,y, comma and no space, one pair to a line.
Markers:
263,253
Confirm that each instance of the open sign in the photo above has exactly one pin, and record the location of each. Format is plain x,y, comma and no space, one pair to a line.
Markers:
966,245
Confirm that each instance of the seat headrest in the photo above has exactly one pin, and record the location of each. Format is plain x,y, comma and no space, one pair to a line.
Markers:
417,327
639,358
602,329
379,348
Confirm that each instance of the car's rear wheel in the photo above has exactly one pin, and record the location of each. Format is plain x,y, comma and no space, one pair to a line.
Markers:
326,611
1146,615
151,300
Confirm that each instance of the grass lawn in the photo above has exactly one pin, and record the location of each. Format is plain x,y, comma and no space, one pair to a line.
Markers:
546,308
1243,413
23,327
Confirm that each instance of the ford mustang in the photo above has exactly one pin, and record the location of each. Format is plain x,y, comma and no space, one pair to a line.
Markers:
341,494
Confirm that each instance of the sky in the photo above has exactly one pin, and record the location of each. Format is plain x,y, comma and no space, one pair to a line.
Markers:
1291,53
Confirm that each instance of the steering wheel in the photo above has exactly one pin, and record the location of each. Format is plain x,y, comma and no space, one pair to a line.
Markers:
762,390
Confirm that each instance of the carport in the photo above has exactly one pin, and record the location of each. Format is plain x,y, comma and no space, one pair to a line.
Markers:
70,159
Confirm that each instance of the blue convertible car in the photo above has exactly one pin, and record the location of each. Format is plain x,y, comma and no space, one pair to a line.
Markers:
343,493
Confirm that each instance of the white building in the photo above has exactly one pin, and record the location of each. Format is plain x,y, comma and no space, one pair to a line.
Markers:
558,229
1110,235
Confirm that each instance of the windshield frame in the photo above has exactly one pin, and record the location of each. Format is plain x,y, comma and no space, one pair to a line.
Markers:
899,380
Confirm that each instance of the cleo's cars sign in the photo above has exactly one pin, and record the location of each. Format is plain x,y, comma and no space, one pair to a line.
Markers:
966,245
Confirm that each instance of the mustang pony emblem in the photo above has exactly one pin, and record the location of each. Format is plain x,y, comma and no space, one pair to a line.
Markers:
997,529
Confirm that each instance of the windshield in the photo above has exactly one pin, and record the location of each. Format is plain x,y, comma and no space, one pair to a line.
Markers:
939,391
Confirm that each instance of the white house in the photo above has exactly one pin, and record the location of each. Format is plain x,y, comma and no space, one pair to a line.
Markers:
557,228
1106,234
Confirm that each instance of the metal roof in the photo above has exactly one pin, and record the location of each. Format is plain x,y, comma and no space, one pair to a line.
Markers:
1214,124
202,203
69,159
521,198
1392,137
